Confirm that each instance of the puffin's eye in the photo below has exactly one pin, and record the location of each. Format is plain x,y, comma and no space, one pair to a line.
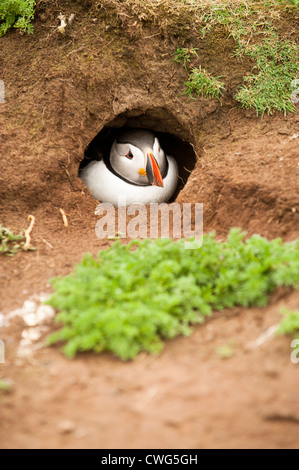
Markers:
129,155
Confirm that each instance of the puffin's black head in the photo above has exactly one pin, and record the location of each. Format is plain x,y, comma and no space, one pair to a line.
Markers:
137,156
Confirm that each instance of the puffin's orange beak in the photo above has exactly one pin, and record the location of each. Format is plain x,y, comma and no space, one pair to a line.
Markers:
152,171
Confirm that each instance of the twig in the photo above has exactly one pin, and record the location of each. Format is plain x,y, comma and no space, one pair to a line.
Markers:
68,175
64,218
181,179
26,247
47,243
186,169
265,336
124,14
106,45
71,19
152,35
81,48
281,417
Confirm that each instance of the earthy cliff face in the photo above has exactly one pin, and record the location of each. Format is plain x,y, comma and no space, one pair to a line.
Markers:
113,68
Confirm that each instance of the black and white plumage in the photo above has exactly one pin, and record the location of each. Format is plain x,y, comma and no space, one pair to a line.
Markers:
137,169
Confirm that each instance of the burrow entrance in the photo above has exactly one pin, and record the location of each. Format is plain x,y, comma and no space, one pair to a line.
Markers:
173,136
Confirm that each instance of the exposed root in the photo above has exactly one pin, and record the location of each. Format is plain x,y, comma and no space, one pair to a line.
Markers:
64,218
26,247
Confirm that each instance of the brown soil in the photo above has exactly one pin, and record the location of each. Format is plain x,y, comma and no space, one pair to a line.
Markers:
60,92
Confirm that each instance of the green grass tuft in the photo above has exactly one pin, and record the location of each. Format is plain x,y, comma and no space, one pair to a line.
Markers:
253,26
183,56
201,83
133,297
269,86
9,243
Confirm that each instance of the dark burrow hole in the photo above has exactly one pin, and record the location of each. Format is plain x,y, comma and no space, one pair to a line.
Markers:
181,150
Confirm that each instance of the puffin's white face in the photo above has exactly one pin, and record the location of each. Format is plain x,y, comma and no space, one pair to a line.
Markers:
140,165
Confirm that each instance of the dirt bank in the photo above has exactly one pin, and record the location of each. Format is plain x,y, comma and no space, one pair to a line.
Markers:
62,91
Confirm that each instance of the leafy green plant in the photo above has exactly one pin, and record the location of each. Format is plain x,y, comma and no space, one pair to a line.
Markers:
290,322
16,13
133,297
9,243
201,83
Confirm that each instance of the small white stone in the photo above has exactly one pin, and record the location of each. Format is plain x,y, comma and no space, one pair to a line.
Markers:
30,319
44,312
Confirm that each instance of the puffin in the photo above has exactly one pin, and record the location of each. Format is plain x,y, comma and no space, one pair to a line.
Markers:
136,170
